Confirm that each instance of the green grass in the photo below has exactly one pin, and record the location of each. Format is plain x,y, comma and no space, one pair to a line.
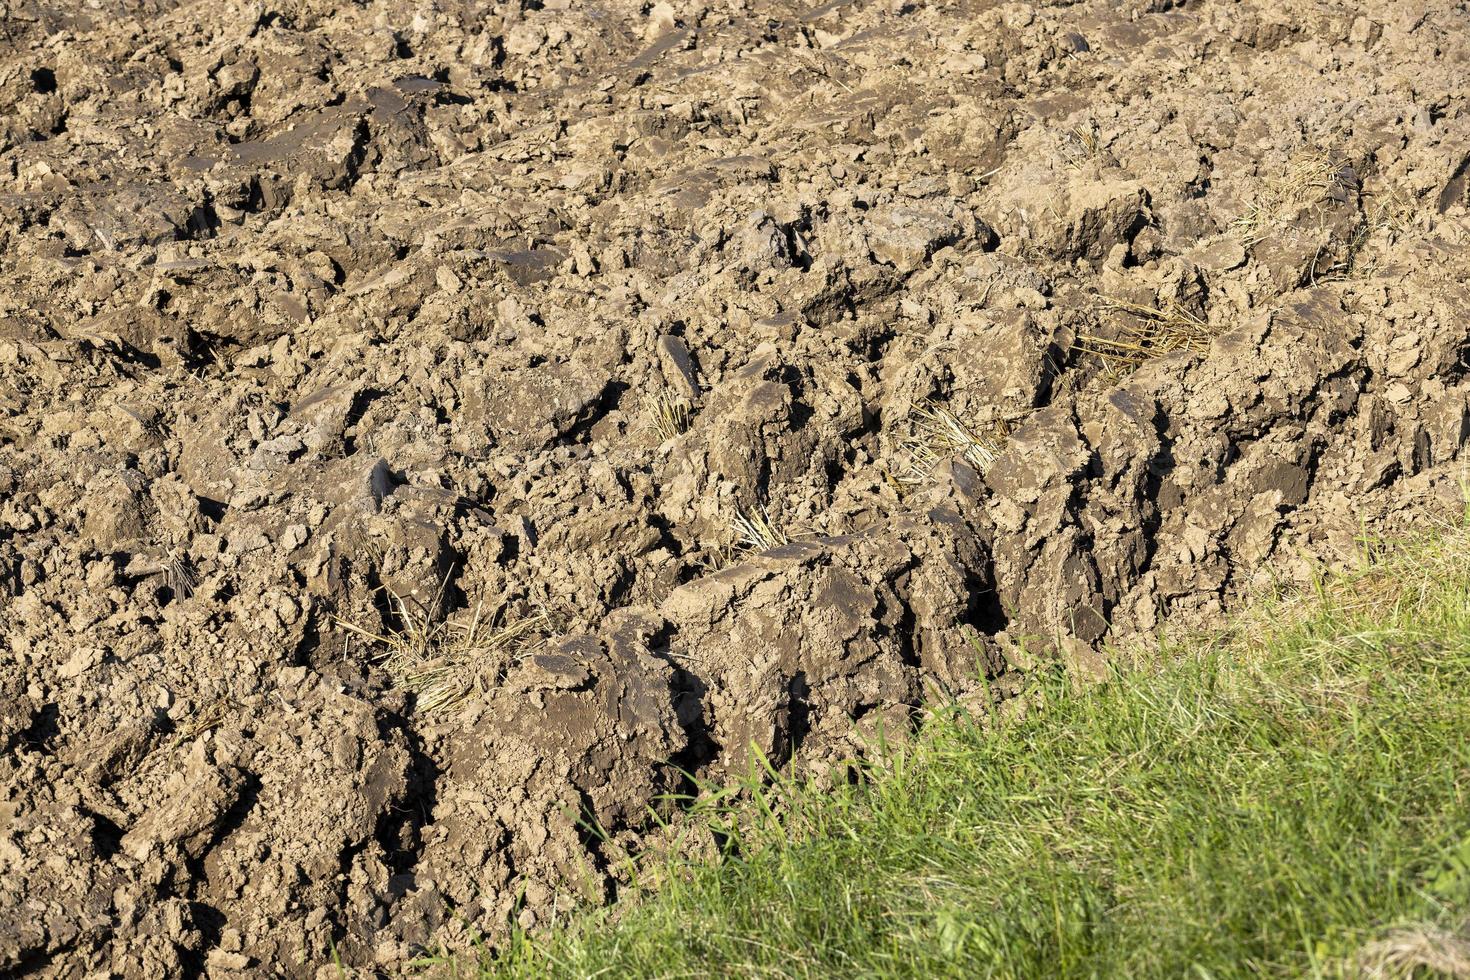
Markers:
1286,799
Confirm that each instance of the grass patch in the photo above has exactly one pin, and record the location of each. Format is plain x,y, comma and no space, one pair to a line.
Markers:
1287,799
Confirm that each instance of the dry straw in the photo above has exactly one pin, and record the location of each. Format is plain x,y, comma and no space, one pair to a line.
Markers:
1308,180
1146,332
937,435
668,415
756,531
1419,951
444,662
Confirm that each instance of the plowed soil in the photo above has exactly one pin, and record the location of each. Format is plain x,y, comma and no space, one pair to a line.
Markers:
429,431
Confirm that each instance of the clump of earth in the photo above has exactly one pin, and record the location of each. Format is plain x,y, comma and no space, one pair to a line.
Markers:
432,433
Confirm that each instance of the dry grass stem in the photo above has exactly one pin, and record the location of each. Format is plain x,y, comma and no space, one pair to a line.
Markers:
1422,951
757,532
669,415
1307,181
1389,212
938,435
1146,332
1082,145
179,573
443,662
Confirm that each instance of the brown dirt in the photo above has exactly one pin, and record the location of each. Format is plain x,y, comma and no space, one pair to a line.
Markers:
526,310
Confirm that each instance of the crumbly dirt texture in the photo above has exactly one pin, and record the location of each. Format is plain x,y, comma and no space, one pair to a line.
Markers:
428,430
